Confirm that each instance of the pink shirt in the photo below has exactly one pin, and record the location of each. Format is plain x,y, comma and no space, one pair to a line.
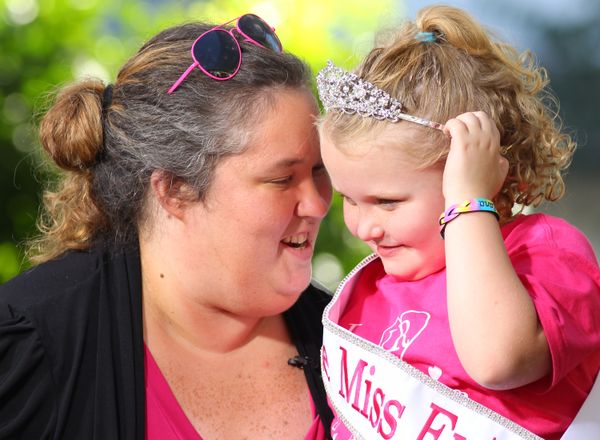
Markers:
165,420
558,267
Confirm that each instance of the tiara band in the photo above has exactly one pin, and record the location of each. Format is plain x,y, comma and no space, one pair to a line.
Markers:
351,94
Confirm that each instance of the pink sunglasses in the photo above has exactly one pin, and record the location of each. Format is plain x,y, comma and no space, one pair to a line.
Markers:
217,52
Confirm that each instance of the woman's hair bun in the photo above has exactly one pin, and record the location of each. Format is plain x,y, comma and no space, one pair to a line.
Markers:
71,131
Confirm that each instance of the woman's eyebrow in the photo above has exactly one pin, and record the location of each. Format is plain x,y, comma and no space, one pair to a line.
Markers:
285,163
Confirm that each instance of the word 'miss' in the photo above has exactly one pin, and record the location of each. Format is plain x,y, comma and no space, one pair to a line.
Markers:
370,399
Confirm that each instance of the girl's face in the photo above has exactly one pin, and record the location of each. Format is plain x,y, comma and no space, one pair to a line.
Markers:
388,203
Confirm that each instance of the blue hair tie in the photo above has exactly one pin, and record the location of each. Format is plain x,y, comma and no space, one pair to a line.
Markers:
426,37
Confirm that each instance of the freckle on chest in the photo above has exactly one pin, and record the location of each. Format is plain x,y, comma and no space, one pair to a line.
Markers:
217,398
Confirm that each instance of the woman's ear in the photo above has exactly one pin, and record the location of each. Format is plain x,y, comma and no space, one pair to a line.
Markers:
172,194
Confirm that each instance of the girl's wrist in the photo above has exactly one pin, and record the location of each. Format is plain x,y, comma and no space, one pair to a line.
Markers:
477,204
461,196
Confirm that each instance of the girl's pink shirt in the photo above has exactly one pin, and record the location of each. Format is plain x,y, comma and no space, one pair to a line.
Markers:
556,264
165,420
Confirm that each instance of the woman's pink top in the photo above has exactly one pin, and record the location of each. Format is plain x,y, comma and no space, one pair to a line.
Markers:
165,420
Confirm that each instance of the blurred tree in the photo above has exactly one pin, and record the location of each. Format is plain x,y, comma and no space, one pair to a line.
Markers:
47,43
570,52
43,45
564,37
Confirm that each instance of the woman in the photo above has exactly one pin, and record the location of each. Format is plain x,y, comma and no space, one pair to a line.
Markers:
172,298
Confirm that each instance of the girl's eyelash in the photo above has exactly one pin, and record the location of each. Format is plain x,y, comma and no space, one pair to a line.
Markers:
385,202
347,199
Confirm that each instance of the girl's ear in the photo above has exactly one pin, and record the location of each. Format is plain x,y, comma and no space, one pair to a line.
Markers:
172,194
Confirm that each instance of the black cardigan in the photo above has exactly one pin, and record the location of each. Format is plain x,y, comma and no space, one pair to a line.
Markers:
72,350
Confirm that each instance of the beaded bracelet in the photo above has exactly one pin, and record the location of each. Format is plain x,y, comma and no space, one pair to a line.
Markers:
471,205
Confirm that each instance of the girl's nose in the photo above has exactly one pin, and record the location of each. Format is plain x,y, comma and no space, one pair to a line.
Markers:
368,228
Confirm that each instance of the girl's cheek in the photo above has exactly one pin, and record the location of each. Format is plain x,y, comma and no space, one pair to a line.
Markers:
350,220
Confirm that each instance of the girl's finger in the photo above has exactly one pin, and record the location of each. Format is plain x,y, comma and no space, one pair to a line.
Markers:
455,128
471,120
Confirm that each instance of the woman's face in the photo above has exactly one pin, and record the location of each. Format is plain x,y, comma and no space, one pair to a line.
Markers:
254,233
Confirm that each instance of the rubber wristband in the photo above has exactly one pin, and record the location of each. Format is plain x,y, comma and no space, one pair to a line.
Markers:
472,205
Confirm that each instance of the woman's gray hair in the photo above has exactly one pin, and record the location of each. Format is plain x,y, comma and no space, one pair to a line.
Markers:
109,150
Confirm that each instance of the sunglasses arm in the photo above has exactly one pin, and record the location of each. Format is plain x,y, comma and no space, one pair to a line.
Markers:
182,77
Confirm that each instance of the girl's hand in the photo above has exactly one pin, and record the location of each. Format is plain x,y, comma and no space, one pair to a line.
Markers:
474,167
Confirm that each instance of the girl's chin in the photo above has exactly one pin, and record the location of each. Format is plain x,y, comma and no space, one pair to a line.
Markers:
408,273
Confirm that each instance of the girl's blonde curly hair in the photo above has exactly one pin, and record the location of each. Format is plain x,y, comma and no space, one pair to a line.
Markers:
464,70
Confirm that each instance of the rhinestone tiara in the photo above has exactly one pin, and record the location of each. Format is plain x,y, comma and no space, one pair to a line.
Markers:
351,94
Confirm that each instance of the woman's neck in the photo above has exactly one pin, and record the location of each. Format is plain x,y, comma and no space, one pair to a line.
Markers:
197,327
191,316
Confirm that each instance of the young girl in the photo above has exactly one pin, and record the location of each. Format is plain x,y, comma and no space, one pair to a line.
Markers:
481,322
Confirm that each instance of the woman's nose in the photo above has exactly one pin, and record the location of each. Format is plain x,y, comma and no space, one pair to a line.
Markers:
315,199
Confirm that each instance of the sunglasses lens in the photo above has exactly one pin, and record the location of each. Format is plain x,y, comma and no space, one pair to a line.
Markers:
255,28
217,53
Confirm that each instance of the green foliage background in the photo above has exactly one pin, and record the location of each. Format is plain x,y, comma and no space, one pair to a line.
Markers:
47,43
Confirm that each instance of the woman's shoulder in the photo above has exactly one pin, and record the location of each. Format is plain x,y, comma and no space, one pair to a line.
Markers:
68,328
43,282
69,274
316,294
34,311
305,315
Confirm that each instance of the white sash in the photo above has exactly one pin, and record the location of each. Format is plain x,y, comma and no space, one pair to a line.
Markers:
379,396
